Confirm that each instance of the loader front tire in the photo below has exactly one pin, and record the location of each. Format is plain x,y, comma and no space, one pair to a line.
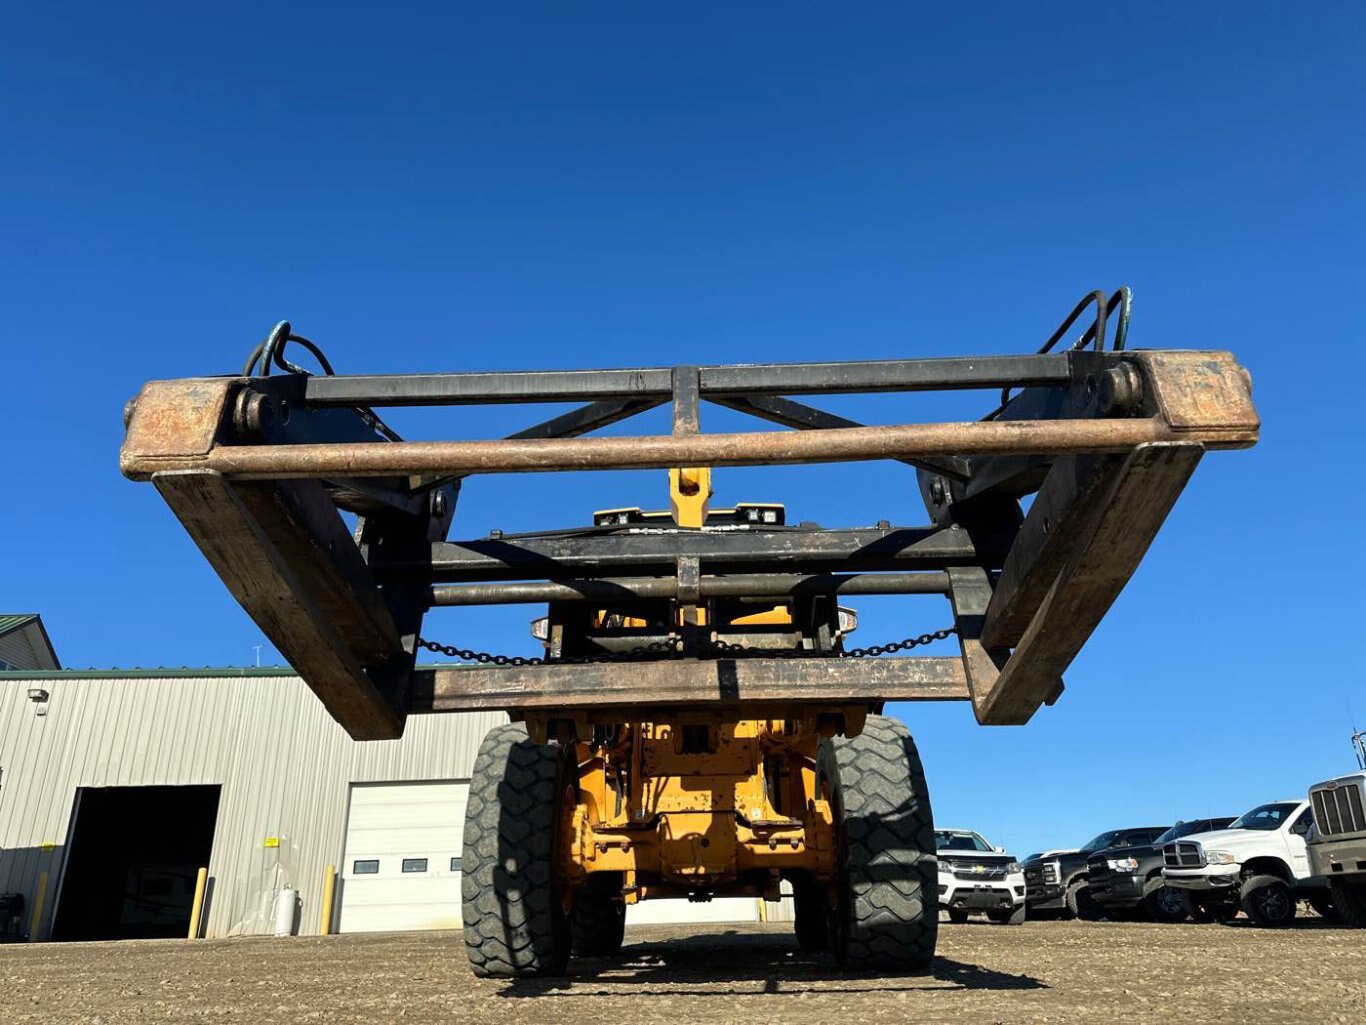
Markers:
516,923
887,914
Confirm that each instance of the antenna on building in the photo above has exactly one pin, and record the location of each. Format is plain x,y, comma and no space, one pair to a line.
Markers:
257,648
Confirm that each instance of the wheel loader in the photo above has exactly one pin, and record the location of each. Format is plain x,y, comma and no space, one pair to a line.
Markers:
698,723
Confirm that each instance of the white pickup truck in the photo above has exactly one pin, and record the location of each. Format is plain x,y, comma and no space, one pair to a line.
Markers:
1260,864
974,876
1337,846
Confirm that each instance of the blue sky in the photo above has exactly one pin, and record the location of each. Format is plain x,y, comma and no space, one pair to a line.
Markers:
465,187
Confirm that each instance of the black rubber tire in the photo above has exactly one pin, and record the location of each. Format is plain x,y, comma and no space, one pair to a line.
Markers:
515,921
1268,901
1164,904
1349,901
957,917
1015,916
811,913
598,922
887,918
1080,904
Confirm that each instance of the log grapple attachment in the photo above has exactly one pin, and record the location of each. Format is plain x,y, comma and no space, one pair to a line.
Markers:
698,724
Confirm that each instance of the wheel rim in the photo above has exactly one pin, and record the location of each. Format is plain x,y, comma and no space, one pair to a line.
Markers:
1273,903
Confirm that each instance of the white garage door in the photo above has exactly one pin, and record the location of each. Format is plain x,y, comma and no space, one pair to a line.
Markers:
402,867
678,911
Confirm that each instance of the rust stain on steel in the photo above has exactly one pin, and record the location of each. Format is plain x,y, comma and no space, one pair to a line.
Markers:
1200,390
175,420
654,452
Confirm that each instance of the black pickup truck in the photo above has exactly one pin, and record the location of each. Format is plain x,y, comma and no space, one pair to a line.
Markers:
1127,881
1056,881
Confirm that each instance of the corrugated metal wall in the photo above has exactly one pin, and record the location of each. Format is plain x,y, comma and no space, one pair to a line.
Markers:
284,767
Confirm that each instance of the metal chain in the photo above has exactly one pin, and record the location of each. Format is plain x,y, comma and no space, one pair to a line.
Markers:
652,650
667,649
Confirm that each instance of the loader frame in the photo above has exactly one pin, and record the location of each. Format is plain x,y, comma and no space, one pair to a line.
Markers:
260,468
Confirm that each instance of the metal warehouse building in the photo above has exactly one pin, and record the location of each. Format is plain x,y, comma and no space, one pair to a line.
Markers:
119,785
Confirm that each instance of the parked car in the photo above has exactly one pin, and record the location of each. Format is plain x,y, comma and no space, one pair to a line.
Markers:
1057,882
1049,853
974,876
1127,881
1337,845
1259,864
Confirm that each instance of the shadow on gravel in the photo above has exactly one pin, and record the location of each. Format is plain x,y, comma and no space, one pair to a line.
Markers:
723,965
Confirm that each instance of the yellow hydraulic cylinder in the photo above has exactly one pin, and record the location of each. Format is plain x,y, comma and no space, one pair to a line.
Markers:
201,884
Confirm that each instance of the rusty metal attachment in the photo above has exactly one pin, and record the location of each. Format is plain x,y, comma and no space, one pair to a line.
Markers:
260,467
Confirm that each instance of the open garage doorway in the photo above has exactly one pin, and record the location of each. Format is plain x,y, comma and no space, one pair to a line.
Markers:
132,859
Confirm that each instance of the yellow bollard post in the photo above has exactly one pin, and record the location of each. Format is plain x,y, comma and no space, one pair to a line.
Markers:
197,908
329,892
38,898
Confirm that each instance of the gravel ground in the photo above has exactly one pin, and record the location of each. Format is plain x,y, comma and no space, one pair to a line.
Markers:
1040,972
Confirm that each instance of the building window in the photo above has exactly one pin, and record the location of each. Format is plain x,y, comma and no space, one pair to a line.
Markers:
365,868
455,864
414,864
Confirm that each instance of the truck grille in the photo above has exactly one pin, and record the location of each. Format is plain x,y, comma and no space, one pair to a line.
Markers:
1183,854
986,872
1097,869
1338,809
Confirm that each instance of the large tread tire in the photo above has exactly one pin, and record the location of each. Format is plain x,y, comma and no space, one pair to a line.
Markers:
599,924
1165,904
1268,901
811,914
887,918
1080,903
1349,901
515,921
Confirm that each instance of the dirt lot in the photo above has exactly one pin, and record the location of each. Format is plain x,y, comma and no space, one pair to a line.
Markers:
1041,972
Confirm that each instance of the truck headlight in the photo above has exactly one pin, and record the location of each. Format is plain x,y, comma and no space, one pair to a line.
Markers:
1220,858
1123,864
944,866
1012,867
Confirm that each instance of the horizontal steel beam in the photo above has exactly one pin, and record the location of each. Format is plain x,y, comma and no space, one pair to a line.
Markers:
741,585
779,682
641,383
656,554
1022,437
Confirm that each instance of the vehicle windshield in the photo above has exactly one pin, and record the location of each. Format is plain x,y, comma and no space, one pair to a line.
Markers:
947,841
1100,843
1185,829
1266,816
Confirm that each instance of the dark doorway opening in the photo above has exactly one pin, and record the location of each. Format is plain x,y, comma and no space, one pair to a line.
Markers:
132,861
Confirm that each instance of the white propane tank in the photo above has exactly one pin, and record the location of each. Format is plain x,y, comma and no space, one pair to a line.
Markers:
285,903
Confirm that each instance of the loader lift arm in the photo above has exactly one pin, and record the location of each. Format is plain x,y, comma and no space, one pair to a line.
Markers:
259,469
